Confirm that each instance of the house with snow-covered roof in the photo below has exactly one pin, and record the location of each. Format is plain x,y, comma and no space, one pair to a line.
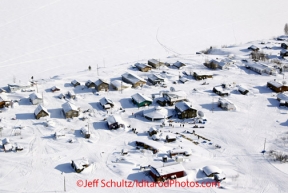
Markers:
133,79
79,164
157,113
90,84
221,91
155,63
102,85
106,103
75,83
35,98
210,171
143,67
243,90
167,172
40,111
115,121
198,75
283,99
155,79
70,110
277,86
179,65
55,88
4,101
184,110
226,104
141,100
260,68
15,87
253,48
173,97
120,85
85,131
7,146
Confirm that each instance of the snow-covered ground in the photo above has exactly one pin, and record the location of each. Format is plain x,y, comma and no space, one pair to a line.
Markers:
56,41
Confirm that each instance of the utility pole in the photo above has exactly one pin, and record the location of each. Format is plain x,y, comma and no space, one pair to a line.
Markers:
121,87
104,62
264,145
97,70
64,181
42,99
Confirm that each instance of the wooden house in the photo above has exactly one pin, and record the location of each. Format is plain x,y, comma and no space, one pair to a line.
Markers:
220,91
253,48
106,103
184,110
7,146
210,171
102,85
35,98
161,174
55,88
115,122
201,76
75,83
141,100
243,90
4,101
179,65
85,131
155,79
90,84
175,152
277,86
283,99
70,110
151,145
284,45
133,79
170,138
226,105
222,64
143,67
40,111
173,97
283,53
71,94
79,164
161,101
120,85
212,64
260,68
155,63
152,131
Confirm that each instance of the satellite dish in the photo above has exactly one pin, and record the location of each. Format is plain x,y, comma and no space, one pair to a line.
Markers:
172,89
200,114
284,82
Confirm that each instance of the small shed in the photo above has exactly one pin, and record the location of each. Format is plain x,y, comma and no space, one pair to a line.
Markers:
183,80
71,94
175,152
201,76
4,101
70,110
141,100
253,48
219,90
143,67
7,146
40,111
167,172
115,122
179,65
79,164
35,98
170,138
226,105
75,83
55,88
155,63
106,103
85,131
152,131
102,85
243,90
90,84
210,171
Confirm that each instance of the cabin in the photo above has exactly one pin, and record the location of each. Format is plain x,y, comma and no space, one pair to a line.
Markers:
55,88
212,64
277,86
179,65
133,79
71,94
16,87
283,99
155,63
161,101
170,138
173,97
106,103
157,113
152,131
219,90
90,84
283,53
168,172
201,76
183,80
155,79
58,135
148,145
41,111
210,171
284,45
61,96
260,68
253,48
176,152
226,105
184,110
7,146
143,67
102,85
85,131
120,85
79,164
243,90
35,98
141,100
115,122
75,83
70,110
4,101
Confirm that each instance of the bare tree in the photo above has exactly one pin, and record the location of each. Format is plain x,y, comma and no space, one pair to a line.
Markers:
286,29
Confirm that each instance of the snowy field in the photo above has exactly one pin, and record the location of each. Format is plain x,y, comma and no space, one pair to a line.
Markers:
56,41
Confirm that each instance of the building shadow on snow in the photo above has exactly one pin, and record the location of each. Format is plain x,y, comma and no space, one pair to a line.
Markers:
100,125
56,113
25,101
263,89
127,103
273,102
66,168
25,116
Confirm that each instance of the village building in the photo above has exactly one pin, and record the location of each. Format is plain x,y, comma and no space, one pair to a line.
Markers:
210,171
79,164
16,87
170,138
152,131
70,110
284,45
183,80
102,85
167,172
222,64
120,85
106,103
143,67
7,146
260,68
85,131
219,90
175,152
4,101
90,84
226,104
133,79
212,64
179,65
55,88
184,110
151,145
75,83
201,76
155,79
157,113
277,86
243,90
283,53
155,63
141,100
253,48
173,97
71,94
161,101
283,99
61,96
115,122
35,98
41,111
